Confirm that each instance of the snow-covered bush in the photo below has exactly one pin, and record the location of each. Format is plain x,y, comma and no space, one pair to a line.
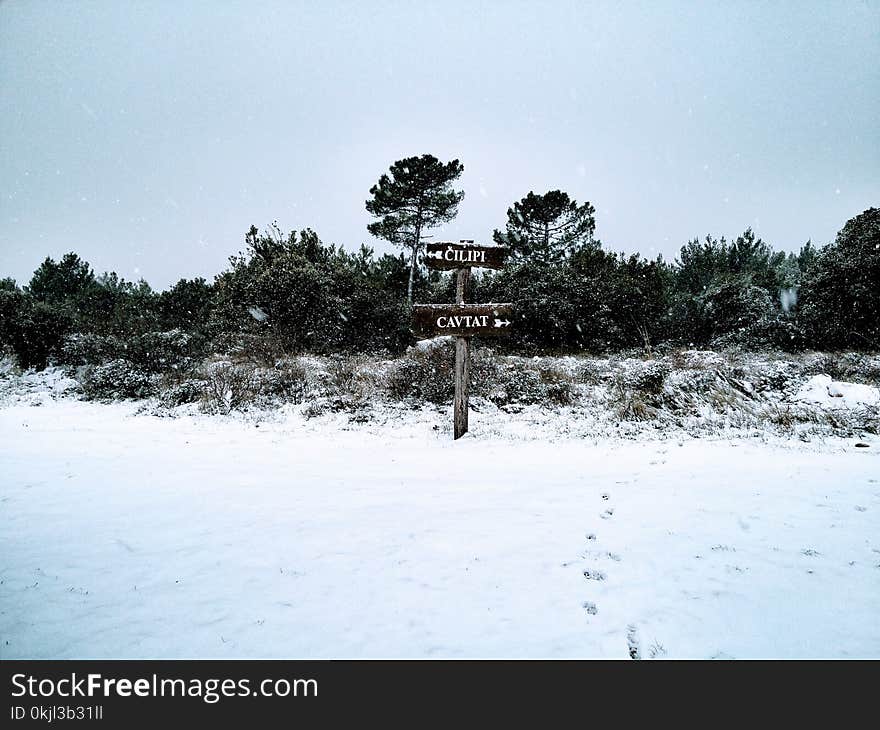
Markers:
637,389
353,377
424,373
89,348
163,351
507,381
150,351
232,386
186,391
229,387
286,382
116,379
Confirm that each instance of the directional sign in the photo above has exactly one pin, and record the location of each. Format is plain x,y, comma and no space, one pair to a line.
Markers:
463,320
446,255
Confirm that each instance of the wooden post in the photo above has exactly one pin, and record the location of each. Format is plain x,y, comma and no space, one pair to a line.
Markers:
462,363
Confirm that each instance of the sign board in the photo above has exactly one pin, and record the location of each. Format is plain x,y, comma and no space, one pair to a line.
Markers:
463,320
446,255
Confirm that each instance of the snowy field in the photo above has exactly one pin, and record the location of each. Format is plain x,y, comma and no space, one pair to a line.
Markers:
126,535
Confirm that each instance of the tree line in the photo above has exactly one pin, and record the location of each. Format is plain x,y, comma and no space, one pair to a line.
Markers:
288,292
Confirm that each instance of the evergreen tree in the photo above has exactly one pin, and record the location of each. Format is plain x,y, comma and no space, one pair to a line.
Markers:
69,279
547,228
186,305
416,197
841,294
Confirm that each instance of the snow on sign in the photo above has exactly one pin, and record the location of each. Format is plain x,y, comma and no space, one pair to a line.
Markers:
463,320
446,255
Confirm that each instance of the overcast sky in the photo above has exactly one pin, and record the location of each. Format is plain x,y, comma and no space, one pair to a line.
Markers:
148,137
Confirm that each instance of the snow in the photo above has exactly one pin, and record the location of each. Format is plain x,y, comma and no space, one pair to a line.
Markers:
127,535
828,393
433,342
258,314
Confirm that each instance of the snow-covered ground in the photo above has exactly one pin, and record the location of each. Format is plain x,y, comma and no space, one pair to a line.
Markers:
126,535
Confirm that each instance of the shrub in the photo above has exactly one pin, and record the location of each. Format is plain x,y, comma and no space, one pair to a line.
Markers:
841,299
287,382
647,378
116,379
161,351
350,376
88,348
637,392
229,387
424,373
151,351
186,391
38,333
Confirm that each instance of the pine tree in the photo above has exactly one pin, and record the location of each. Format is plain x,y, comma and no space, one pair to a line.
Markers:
68,279
547,228
841,296
416,197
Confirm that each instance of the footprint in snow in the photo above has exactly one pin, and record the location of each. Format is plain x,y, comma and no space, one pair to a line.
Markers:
591,608
632,642
607,513
594,575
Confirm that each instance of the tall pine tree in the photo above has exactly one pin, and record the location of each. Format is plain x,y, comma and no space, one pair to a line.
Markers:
414,198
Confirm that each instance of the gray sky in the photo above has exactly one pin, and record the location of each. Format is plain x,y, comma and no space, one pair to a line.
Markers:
148,136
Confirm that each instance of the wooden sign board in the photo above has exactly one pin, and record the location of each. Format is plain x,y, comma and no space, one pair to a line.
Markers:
463,320
446,255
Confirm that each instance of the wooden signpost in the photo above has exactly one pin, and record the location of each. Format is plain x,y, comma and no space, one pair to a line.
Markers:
446,255
463,320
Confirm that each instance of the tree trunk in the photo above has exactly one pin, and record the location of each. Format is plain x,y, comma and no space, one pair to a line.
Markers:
415,257
547,256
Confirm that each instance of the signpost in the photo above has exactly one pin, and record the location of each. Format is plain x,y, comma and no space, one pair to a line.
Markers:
446,255
463,320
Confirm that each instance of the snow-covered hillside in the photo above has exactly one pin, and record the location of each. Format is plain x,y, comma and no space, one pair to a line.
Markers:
126,535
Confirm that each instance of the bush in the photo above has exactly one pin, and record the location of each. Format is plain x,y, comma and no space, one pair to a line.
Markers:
841,298
424,373
237,386
116,379
162,351
151,351
637,391
184,392
521,382
229,387
88,348
286,382
648,377
37,334
351,377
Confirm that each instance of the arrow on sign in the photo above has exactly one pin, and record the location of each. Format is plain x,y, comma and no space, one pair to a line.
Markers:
434,255
502,322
